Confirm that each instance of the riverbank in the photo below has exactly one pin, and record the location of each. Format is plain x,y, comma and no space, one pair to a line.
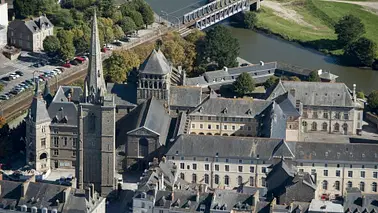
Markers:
310,22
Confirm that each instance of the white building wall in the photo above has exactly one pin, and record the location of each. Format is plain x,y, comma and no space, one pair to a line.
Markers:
4,14
100,208
142,206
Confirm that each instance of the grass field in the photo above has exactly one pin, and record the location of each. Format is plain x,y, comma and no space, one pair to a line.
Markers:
321,16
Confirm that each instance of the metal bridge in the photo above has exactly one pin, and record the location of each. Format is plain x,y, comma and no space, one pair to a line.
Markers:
215,12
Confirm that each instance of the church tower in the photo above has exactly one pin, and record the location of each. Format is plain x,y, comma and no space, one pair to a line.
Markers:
96,126
154,78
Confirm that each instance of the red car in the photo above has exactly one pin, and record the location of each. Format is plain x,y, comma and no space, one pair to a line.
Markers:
67,65
79,58
103,50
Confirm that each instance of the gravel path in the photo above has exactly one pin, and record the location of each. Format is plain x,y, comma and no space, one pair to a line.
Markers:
372,5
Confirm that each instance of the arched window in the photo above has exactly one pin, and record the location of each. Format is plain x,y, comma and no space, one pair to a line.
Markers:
336,127
349,184
374,187
362,186
145,84
325,185
155,85
193,133
209,133
216,179
143,147
206,178
240,180
216,134
182,176
314,126
337,185
43,156
160,85
194,178
345,129
201,133
324,126
224,134
226,180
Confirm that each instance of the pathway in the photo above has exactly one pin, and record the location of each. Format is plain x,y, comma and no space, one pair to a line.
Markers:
372,5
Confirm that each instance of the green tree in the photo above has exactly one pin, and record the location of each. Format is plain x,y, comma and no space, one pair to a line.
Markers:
82,4
67,49
118,32
138,18
361,52
195,36
174,52
244,84
250,20
221,47
106,30
128,25
62,18
360,95
117,66
348,29
372,101
273,80
26,8
116,16
294,78
313,77
51,45
1,87
147,13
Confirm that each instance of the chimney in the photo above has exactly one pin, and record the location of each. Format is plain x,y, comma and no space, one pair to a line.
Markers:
32,178
225,69
24,188
354,93
92,188
88,193
262,63
162,181
66,194
69,97
320,72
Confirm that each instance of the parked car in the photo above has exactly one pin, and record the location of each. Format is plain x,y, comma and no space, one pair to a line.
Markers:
7,78
79,59
59,68
57,71
14,92
10,95
103,50
4,97
43,78
19,73
108,47
125,39
67,65
23,85
74,62
30,82
117,43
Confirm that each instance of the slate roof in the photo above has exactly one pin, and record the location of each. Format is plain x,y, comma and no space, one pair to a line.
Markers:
226,147
356,202
153,117
37,111
185,96
156,64
334,152
287,103
10,193
274,122
316,93
196,81
63,113
34,25
235,107
228,200
124,94
253,68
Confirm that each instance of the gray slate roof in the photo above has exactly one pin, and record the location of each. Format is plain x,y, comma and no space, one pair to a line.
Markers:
316,93
38,112
156,64
274,122
124,94
236,107
185,96
228,200
253,68
355,201
63,113
287,103
34,25
225,147
200,80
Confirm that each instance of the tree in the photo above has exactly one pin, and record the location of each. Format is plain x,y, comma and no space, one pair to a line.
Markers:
221,47
26,8
128,25
294,78
348,29
360,95
118,32
67,49
117,66
81,38
2,121
1,87
313,77
361,52
147,13
137,17
271,82
372,101
51,45
250,20
195,36
106,30
116,16
244,84
62,18
174,52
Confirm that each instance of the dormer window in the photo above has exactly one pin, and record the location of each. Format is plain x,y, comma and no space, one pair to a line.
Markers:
249,112
224,111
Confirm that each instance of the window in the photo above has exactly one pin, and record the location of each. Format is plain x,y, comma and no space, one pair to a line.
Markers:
314,126
325,185
346,116
74,142
240,180
350,173
337,185
216,167
209,126
143,205
43,142
336,127
362,186
325,173
375,174
209,118
182,176
201,126
65,141
56,141
315,114
201,118
249,128
233,127
226,168
216,179
225,127
194,178
206,178
43,129
313,171
227,160
263,169
374,187
225,119
362,174
73,163
251,181
207,167
263,182
226,180
251,169
301,170
182,166
233,119
56,152
325,115
324,126
240,168
337,115
337,173
193,126
217,126
194,166
349,184
74,153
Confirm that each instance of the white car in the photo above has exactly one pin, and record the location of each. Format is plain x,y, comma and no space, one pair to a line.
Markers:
58,71
15,74
12,77
4,97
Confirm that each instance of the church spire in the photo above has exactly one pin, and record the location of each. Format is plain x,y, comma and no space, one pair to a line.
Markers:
95,83
36,89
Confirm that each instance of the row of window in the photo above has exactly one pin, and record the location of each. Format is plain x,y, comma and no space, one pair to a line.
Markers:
216,118
336,126
226,180
56,152
350,185
337,115
226,168
338,165
225,127
217,159
350,173
65,141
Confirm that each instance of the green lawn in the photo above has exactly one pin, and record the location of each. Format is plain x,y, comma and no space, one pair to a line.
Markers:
321,15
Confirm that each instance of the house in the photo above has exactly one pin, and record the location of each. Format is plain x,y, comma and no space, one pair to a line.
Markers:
29,34
3,23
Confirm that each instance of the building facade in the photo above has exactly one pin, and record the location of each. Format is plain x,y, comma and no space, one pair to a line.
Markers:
29,34
3,23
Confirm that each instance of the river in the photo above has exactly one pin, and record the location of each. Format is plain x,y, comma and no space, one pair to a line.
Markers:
257,47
